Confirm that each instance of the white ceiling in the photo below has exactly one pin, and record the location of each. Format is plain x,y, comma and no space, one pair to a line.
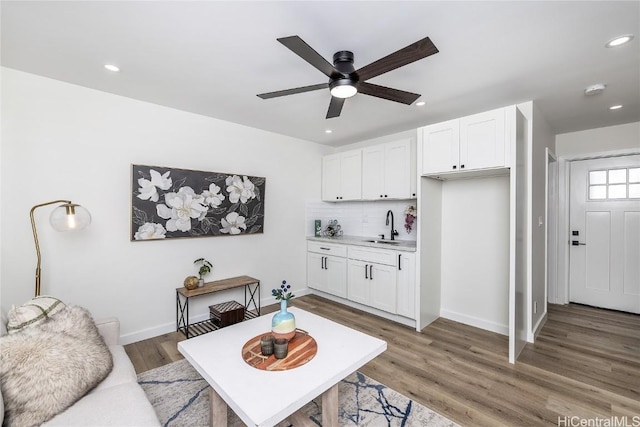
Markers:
213,57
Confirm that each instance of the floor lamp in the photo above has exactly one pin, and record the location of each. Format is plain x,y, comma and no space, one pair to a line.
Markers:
66,217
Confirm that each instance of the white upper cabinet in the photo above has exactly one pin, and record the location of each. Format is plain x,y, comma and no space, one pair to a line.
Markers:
440,147
373,172
470,143
388,171
482,140
342,176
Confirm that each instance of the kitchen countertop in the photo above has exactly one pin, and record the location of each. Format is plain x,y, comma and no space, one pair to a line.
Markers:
402,245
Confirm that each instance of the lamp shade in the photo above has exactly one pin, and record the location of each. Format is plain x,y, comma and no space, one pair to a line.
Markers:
69,217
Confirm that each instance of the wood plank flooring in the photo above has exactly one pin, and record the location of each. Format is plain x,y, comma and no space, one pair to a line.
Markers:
585,363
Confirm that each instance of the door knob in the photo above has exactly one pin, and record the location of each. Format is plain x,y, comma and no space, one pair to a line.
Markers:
576,243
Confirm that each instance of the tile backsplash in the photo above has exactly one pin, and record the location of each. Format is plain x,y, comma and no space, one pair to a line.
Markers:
366,219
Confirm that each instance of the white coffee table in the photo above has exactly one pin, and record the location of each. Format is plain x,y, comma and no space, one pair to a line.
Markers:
264,398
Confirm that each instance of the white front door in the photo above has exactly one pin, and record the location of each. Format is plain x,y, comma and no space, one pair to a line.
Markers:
604,234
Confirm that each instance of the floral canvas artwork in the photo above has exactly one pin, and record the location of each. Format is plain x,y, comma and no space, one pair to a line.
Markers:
168,203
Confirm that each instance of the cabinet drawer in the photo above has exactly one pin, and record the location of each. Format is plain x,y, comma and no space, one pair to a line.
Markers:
378,256
327,248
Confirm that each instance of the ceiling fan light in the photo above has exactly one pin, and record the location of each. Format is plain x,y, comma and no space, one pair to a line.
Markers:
343,88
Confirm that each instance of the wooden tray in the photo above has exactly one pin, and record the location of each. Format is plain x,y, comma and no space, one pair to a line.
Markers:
302,348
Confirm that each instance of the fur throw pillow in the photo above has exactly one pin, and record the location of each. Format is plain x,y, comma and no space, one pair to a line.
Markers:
47,368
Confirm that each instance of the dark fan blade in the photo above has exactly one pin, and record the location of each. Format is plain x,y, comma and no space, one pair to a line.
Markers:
413,52
306,52
335,107
293,91
387,93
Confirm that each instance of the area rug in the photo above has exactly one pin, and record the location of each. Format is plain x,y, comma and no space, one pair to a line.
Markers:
181,398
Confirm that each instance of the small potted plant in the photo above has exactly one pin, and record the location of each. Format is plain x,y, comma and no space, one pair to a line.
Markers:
205,268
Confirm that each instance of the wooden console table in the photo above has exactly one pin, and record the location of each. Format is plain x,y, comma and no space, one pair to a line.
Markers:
251,303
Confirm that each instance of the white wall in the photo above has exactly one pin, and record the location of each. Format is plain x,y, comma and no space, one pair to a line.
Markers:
610,138
66,141
475,252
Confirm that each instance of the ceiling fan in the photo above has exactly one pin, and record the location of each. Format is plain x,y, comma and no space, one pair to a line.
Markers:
345,81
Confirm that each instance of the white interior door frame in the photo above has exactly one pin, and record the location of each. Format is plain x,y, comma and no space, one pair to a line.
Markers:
551,228
564,170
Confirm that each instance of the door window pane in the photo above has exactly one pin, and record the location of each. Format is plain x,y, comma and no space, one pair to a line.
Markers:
597,192
634,174
597,177
634,191
617,176
618,191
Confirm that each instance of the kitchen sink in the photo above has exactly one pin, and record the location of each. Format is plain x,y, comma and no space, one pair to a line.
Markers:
386,242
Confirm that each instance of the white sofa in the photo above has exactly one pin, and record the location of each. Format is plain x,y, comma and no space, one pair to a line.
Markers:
117,401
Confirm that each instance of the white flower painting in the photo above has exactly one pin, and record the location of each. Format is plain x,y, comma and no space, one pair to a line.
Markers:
150,231
233,224
240,189
172,203
149,187
180,208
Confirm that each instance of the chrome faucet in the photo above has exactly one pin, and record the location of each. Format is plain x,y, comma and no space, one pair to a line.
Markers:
394,232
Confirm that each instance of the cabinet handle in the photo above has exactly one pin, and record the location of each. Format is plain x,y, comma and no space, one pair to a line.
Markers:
325,249
399,262
454,166
325,263
371,272
365,271
381,195
461,166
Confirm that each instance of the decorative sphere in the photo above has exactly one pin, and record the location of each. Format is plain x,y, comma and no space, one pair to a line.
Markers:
191,282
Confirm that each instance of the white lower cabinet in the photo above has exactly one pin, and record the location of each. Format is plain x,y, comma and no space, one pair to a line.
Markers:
406,285
379,278
383,287
327,273
372,278
358,283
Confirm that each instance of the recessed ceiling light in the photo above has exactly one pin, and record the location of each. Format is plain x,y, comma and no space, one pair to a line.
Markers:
328,131
111,67
420,103
615,107
619,40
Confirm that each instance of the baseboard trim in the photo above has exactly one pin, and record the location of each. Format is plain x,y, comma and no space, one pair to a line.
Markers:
539,325
477,322
151,332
